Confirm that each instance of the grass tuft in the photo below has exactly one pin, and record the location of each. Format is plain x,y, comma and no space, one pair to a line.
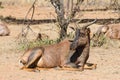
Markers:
32,44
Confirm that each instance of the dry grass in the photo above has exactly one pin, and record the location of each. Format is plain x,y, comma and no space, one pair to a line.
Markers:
111,43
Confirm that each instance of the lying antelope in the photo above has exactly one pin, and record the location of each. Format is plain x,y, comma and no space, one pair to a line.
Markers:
66,54
4,31
111,31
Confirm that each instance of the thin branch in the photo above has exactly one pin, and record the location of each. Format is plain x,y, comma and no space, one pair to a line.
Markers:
27,28
74,10
32,7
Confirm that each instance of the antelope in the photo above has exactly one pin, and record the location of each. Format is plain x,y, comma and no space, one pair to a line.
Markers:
97,29
65,54
111,31
4,31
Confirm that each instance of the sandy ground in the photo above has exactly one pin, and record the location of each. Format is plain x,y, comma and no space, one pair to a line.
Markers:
49,13
107,60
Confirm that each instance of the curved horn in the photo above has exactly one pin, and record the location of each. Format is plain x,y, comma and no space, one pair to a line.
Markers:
85,26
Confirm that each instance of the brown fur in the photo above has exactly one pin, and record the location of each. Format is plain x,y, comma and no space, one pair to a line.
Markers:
113,31
53,55
81,54
60,54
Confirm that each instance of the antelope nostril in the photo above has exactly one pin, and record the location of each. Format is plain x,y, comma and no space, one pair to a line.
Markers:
20,61
21,65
